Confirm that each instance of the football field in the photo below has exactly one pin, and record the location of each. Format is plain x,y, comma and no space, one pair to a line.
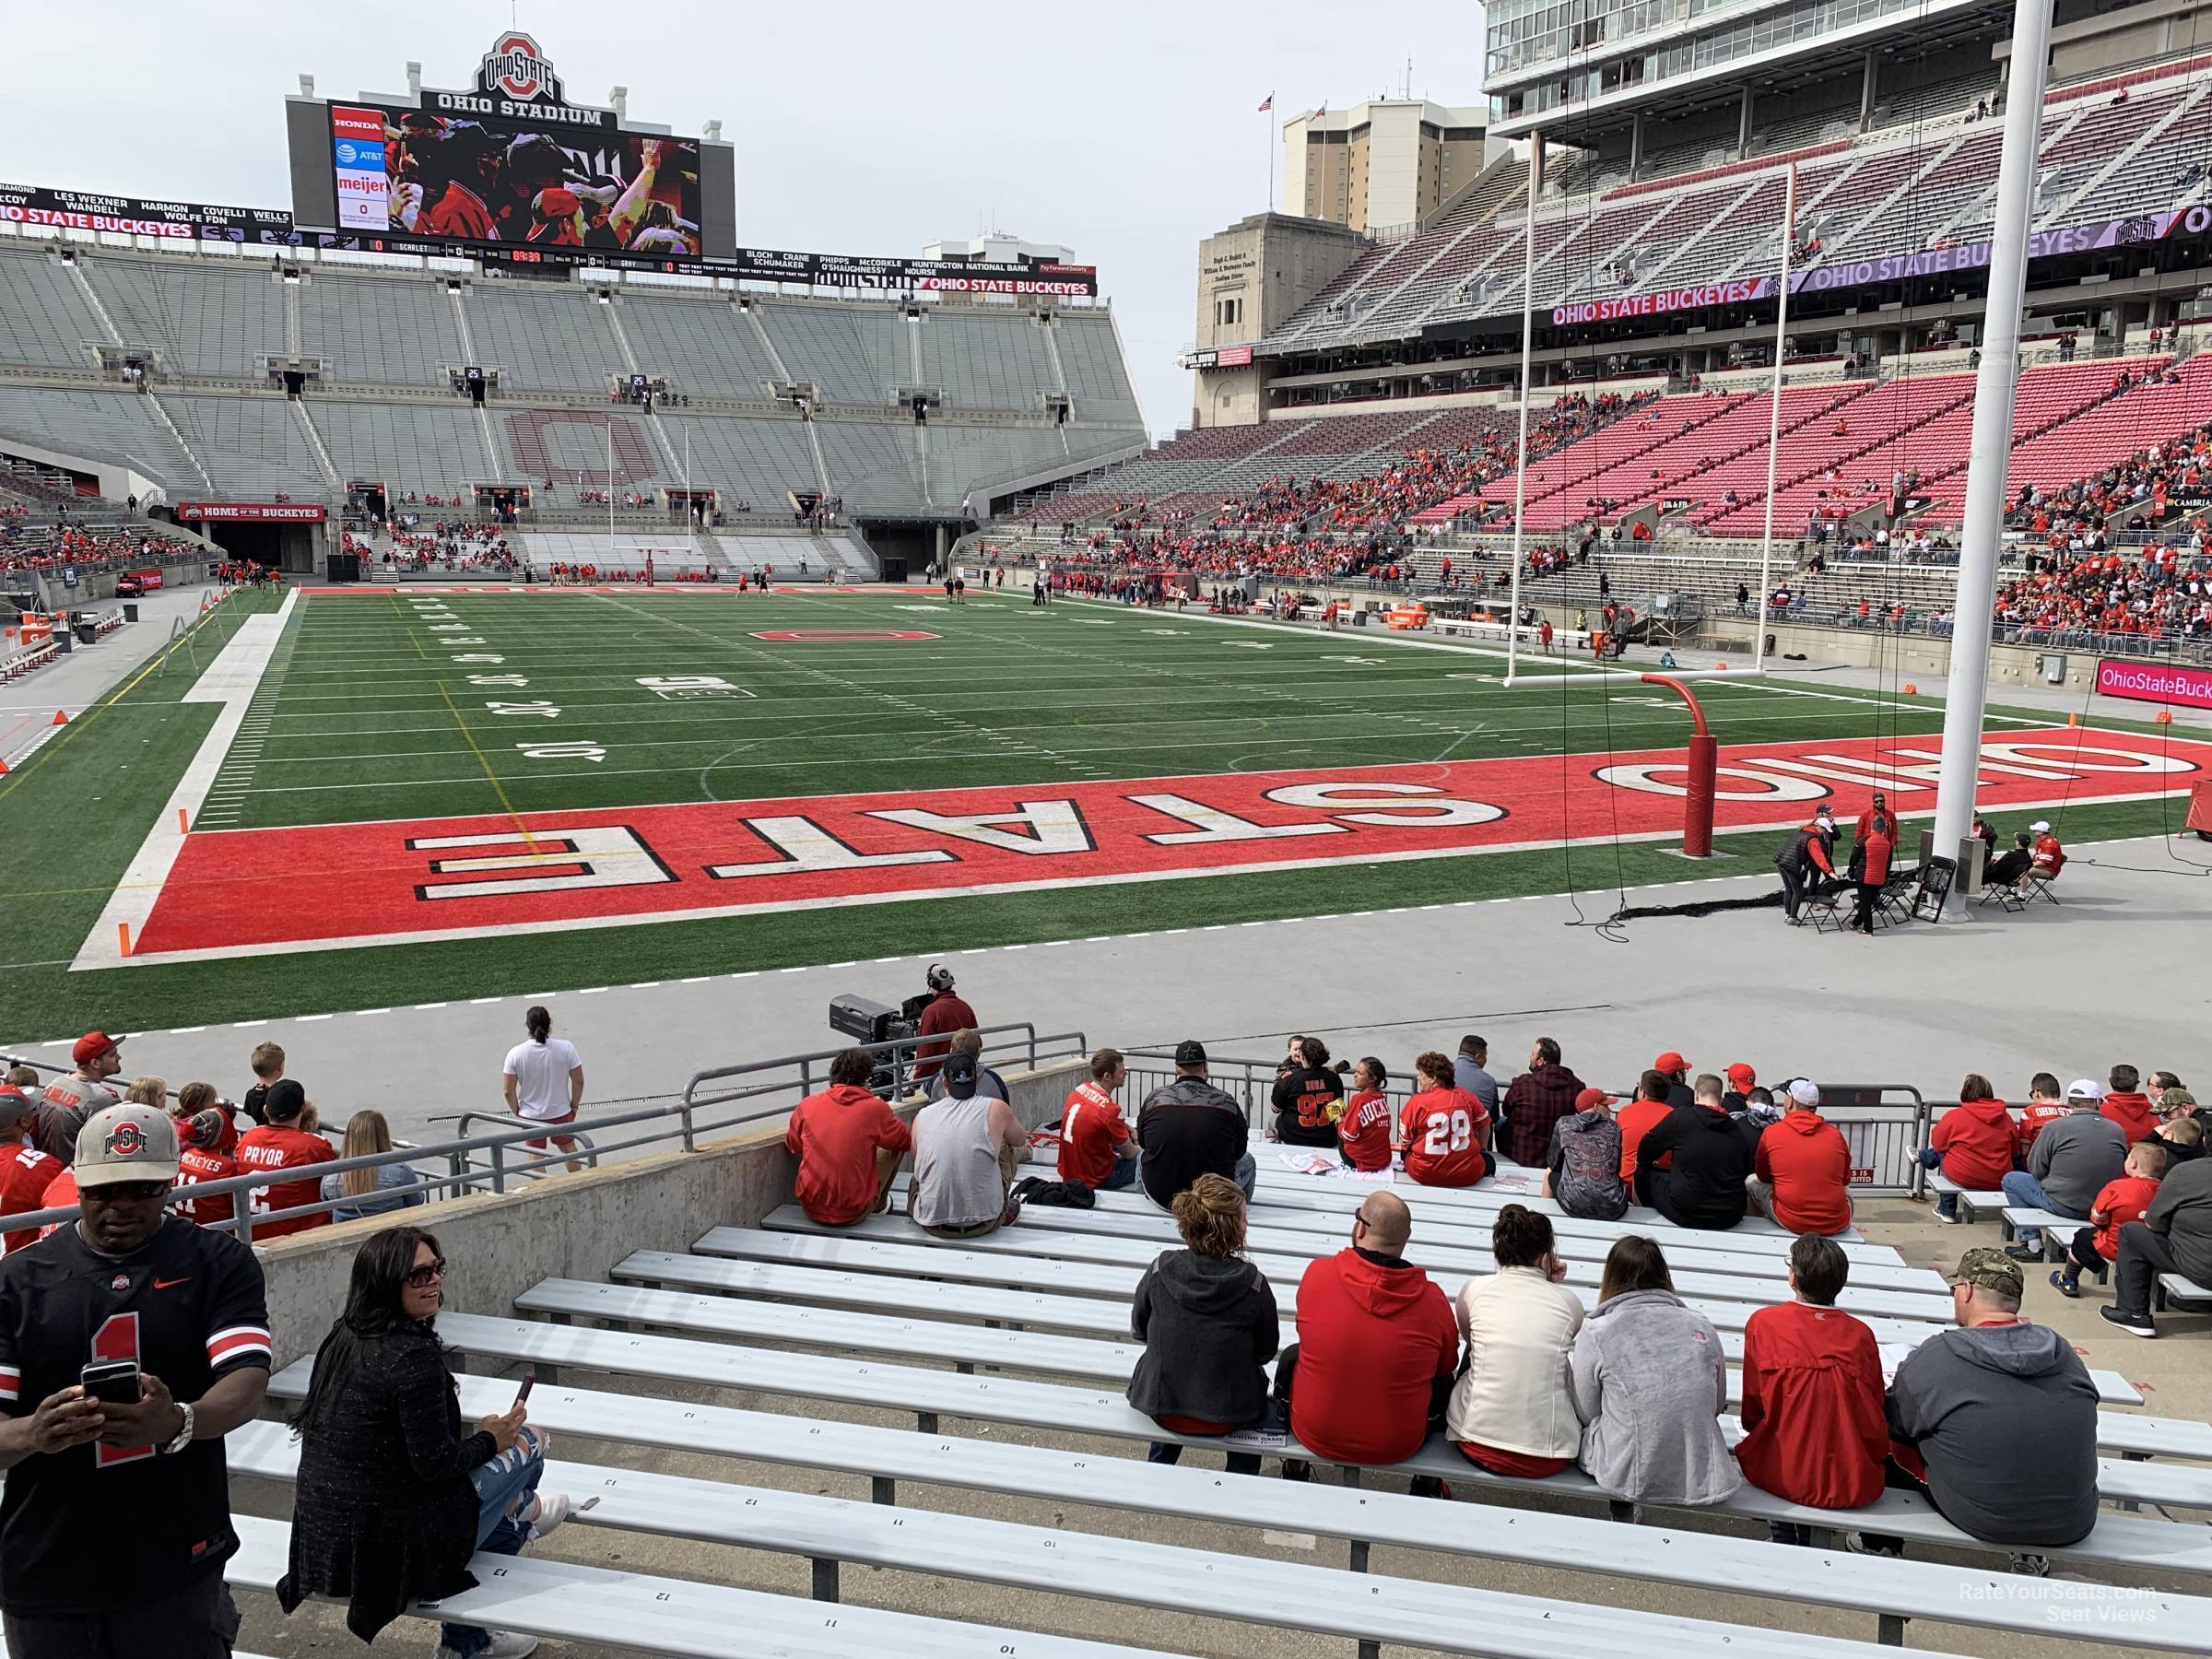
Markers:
359,795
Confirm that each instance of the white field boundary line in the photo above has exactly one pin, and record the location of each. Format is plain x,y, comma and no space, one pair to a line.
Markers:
232,680
1687,884
732,912
1358,636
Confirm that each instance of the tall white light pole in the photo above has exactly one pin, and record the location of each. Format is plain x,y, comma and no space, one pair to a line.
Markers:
1966,688
1781,328
1528,391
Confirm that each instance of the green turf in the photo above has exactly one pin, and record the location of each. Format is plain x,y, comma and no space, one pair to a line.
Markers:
370,717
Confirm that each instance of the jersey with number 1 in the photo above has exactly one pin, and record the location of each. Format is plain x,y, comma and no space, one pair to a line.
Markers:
1446,1130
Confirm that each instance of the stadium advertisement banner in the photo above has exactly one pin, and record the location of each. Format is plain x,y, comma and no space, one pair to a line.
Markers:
1895,267
249,512
134,215
2155,682
378,883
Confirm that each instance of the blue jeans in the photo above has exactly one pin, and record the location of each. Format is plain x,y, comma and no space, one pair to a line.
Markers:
1947,1203
506,1483
1123,1175
2022,1188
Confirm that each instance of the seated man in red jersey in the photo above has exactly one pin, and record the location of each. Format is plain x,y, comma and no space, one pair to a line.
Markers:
1096,1148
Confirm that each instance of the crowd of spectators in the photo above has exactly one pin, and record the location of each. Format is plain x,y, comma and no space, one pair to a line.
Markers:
25,547
1318,529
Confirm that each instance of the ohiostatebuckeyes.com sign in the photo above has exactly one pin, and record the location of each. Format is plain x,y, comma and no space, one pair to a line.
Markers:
2155,682
372,883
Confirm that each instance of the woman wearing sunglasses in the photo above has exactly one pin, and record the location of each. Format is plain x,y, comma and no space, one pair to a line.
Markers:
393,1497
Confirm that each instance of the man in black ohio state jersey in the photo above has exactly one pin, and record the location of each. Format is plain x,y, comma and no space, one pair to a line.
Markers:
115,1522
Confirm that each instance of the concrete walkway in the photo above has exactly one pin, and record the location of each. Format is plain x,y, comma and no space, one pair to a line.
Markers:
2113,974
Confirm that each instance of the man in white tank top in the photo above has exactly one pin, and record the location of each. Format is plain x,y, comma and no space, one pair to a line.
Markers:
967,1147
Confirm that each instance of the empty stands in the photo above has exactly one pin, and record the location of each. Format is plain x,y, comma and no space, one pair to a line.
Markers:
379,344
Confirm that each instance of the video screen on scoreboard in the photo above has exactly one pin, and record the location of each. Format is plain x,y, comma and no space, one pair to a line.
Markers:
484,179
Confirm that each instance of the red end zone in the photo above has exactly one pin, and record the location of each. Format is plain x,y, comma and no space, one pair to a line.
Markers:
234,891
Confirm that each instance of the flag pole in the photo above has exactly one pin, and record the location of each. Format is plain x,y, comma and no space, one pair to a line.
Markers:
1528,331
1781,324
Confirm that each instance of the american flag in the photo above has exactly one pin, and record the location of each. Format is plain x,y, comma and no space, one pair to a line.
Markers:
1266,103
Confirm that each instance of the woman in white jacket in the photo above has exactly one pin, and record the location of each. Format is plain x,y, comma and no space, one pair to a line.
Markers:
1650,1382
1513,1411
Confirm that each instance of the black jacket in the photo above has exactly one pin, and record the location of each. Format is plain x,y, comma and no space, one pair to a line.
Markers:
1705,1187
1207,1326
1186,1129
384,1513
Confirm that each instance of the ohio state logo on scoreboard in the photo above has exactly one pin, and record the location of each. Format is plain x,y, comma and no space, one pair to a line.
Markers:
514,65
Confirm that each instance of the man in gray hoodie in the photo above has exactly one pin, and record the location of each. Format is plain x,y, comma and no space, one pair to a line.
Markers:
2003,1417
2067,1166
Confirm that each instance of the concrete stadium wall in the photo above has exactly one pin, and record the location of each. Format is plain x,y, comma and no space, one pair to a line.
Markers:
497,1246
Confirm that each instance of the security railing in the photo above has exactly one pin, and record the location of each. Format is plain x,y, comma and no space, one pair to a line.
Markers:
713,1103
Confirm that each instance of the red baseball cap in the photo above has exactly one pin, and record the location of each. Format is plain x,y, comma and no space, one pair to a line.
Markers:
1589,1097
91,1046
1742,1076
1670,1062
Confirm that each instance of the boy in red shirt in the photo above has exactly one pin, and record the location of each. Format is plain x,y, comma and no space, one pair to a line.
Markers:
1363,1132
1972,1144
281,1142
1095,1148
848,1143
2120,1202
2046,1106
2127,1106
1813,1423
1445,1129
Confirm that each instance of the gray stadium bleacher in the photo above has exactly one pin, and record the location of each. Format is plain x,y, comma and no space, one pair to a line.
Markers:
386,336
854,354
704,348
46,319
381,330
213,318
435,449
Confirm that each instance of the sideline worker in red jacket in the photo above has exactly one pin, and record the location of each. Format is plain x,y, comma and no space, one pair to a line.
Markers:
1377,1347
1877,840
1814,1429
945,1014
1804,1168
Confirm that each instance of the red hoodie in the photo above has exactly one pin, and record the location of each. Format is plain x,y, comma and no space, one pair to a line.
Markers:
1813,1417
1371,1340
836,1134
1806,1159
1976,1139
2133,1113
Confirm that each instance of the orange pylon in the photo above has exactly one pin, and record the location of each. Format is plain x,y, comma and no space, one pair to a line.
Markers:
1911,689
2163,717
2,769
61,717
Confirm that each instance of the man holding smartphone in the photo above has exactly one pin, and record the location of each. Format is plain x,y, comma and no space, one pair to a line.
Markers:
131,1342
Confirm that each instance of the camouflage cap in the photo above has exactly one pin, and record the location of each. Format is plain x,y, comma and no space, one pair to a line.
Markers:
1990,1268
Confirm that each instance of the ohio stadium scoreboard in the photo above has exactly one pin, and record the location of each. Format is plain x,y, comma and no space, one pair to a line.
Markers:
512,172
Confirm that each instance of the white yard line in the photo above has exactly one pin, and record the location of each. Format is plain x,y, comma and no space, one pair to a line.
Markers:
230,679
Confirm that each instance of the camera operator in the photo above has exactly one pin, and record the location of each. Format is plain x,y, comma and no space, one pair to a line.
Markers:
943,1014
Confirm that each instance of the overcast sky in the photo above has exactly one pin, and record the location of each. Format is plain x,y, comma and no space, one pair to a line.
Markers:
1124,132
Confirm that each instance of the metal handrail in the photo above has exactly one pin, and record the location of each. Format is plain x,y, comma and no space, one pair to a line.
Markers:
685,1119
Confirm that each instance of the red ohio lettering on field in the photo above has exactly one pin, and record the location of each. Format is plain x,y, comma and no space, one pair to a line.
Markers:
360,884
